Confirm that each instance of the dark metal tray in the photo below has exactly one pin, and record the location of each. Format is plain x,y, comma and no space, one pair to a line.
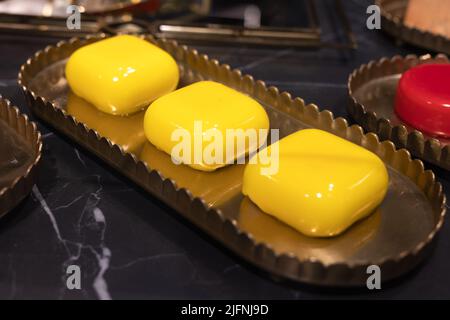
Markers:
20,152
372,88
396,237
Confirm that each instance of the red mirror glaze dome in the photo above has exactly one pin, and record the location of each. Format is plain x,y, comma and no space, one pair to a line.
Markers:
423,99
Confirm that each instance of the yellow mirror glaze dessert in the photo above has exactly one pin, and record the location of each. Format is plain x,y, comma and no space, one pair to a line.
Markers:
214,188
282,238
206,108
124,131
122,74
323,183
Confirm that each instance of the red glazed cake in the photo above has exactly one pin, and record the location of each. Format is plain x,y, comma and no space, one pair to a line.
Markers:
423,99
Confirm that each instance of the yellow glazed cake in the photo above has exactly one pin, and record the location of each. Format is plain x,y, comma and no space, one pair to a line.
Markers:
190,122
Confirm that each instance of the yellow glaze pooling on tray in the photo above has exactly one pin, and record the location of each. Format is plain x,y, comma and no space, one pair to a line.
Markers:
214,188
324,183
127,132
196,109
122,74
282,238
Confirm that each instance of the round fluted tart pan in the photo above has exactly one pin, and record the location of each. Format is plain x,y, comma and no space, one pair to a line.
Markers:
396,237
392,14
372,88
20,152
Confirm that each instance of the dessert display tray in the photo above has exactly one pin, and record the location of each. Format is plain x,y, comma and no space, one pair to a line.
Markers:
372,88
20,152
392,14
396,237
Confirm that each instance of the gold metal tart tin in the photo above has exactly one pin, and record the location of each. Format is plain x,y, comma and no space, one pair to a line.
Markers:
372,89
396,237
20,152
392,15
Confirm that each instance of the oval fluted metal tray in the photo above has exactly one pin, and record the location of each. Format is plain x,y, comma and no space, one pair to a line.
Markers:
392,15
372,88
20,152
396,237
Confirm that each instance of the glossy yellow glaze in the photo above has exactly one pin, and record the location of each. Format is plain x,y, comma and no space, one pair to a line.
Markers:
127,132
214,188
324,183
217,107
122,74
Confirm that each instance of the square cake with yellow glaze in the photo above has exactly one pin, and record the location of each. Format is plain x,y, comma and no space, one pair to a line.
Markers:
322,186
201,115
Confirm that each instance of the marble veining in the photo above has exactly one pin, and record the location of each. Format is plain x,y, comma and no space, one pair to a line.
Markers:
102,253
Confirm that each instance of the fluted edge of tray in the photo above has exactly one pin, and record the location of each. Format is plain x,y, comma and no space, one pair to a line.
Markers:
211,220
420,146
21,186
393,25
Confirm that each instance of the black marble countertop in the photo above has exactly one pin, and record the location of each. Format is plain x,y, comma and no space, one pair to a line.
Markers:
130,245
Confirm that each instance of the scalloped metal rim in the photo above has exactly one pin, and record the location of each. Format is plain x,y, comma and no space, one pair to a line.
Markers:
429,149
211,220
394,26
21,186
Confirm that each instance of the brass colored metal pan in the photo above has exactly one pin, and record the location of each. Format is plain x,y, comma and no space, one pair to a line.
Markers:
392,15
396,237
20,152
372,89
